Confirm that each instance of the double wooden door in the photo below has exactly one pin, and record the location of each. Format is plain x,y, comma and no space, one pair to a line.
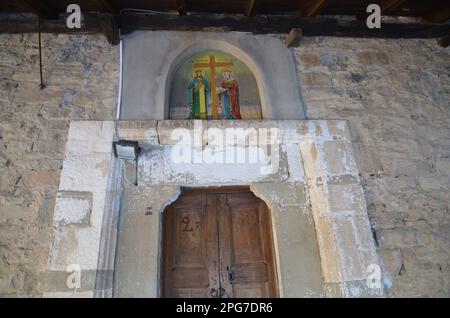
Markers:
218,244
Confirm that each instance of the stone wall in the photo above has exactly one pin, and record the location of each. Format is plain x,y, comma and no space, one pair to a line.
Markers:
396,96
394,93
81,77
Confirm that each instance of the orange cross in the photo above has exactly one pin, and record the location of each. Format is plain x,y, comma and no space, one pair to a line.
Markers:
212,68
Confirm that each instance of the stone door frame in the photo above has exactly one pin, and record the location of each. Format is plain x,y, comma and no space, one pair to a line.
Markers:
327,188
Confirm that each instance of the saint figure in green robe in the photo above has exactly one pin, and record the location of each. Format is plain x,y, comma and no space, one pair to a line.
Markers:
198,90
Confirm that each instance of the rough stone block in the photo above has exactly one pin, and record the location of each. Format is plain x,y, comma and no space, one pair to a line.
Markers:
397,237
348,243
45,179
284,193
329,251
346,198
372,58
296,241
88,137
339,158
309,59
316,79
337,128
85,173
366,158
142,131
392,260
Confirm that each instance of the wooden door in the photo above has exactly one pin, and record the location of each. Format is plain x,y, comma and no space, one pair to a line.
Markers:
218,244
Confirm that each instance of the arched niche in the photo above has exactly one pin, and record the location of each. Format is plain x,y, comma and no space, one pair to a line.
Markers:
214,85
224,51
151,59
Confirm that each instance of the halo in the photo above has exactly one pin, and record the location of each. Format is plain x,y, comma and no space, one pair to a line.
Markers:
229,71
194,72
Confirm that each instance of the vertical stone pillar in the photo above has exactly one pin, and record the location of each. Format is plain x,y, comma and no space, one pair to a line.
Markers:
295,241
346,245
80,209
139,240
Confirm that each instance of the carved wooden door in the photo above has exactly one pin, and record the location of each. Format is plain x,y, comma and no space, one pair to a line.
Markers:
218,244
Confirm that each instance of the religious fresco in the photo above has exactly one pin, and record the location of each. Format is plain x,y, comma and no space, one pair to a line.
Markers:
214,85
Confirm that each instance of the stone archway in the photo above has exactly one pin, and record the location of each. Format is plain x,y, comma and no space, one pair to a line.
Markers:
309,215
218,242
293,234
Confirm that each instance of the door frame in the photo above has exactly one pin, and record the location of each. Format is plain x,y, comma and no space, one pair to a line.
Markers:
218,190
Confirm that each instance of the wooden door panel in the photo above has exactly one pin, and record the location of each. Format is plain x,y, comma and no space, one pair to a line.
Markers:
251,291
190,247
250,272
246,237
218,242
190,236
247,260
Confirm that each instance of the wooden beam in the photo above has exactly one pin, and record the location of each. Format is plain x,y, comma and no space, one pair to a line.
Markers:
42,9
251,8
93,24
293,38
90,24
438,16
181,7
110,28
315,7
107,6
390,5
278,25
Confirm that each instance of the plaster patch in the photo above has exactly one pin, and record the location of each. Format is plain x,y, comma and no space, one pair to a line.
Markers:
73,208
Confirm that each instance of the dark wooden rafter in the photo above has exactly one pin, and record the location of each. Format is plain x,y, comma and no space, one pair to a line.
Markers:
90,24
318,26
181,7
42,9
315,7
107,6
388,5
251,8
438,15
278,25
110,28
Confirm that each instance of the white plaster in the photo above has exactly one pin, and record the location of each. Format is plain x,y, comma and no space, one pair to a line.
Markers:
157,167
147,80
72,208
344,256
85,169
296,171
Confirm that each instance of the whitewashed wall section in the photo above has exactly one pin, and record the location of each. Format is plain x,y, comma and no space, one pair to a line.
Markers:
88,190
317,153
80,209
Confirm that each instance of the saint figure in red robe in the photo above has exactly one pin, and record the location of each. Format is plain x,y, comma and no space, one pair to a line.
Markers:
229,95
